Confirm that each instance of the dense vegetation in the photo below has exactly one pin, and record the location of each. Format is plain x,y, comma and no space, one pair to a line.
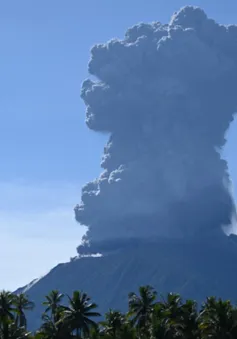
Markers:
147,317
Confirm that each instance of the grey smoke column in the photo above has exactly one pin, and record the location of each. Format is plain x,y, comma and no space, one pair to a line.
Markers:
166,94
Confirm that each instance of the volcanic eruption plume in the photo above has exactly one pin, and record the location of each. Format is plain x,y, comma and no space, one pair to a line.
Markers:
166,94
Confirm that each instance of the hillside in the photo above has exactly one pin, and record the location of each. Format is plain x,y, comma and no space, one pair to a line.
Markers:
195,269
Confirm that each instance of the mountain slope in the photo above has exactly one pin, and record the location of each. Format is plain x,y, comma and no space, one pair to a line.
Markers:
195,269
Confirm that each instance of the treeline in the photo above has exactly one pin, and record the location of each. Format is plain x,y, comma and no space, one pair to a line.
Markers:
148,317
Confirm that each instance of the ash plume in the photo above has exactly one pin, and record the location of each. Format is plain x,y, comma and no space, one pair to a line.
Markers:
166,94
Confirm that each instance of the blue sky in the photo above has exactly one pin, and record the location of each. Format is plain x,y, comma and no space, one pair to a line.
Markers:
47,153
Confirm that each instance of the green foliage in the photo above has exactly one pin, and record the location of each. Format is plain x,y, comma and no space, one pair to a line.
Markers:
77,316
148,317
53,305
21,304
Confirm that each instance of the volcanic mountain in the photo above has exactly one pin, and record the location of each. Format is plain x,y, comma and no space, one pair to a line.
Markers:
166,95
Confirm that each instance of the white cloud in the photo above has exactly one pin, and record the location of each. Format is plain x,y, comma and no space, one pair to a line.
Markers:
37,229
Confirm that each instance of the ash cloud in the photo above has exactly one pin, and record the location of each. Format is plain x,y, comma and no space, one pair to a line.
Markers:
167,95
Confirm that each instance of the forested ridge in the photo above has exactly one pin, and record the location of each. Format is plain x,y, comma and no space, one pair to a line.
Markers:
148,315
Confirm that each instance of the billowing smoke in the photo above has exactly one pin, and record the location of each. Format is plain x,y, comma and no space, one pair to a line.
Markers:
166,94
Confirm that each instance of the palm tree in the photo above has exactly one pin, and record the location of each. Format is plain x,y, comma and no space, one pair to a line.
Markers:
95,333
127,331
218,319
53,303
172,304
6,313
114,321
51,330
22,304
141,307
77,315
6,305
188,320
16,332
159,328
172,313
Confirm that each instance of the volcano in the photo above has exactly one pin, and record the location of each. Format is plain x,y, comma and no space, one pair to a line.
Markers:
166,95
194,269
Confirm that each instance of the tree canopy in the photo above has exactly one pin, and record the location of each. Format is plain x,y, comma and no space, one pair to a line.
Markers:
148,316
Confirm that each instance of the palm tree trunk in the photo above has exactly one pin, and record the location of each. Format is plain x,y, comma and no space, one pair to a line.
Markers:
78,333
22,321
5,331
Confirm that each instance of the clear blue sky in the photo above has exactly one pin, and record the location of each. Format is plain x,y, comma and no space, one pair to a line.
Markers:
46,151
